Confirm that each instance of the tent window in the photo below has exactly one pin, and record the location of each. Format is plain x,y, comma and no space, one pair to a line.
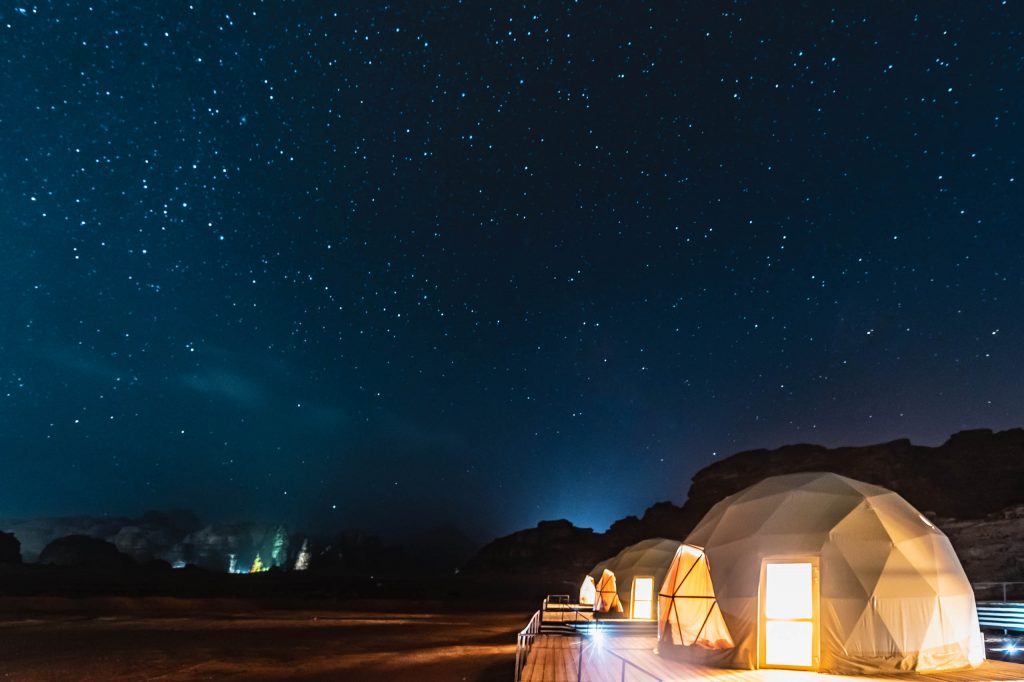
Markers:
641,602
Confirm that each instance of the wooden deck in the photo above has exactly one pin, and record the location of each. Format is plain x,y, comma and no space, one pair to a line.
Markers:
556,658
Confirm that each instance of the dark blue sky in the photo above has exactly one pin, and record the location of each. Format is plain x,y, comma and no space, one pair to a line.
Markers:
396,264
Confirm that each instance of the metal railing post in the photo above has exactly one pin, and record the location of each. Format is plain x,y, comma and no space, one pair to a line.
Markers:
579,664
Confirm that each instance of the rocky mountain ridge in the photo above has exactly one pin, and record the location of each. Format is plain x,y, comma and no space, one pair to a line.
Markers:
972,485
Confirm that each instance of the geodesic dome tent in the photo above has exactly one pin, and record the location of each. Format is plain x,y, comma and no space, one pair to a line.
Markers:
639,571
823,572
588,591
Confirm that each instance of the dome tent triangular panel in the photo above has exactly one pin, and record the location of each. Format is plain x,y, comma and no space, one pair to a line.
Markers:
757,512
878,571
646,559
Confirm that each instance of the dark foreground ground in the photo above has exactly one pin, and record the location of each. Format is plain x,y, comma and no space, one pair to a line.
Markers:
113,639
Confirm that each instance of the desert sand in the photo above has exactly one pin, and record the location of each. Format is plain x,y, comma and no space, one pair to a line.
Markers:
187,639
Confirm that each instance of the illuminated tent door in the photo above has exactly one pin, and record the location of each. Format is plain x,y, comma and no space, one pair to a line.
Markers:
789,610
641,600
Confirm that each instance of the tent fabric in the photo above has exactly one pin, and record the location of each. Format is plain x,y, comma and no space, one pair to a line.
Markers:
588,591
607,596
687,605
647,558
892,593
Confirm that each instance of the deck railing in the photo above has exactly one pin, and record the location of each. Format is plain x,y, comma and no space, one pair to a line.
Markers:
560,604
999,589
1001,615
626,665
588,630
524,642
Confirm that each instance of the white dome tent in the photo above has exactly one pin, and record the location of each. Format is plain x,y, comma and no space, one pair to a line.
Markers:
820,572
588,591
639,571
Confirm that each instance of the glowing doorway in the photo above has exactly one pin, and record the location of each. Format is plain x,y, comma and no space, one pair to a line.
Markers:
641,602
788,611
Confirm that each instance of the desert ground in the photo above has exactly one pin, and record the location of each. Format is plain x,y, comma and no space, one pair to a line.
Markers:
188,639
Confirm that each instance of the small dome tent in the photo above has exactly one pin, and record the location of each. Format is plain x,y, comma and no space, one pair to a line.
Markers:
639,571
588,591
822,572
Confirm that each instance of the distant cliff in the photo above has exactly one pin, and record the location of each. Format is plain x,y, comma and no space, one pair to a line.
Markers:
973,484
971,475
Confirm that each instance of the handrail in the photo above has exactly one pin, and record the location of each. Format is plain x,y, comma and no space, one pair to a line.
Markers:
526,637
578,613
990,585
524,642
626,661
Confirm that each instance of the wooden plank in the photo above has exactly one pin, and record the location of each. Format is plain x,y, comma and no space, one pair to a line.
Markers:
572,660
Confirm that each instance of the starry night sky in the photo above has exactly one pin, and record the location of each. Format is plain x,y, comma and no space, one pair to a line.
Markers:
408,263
